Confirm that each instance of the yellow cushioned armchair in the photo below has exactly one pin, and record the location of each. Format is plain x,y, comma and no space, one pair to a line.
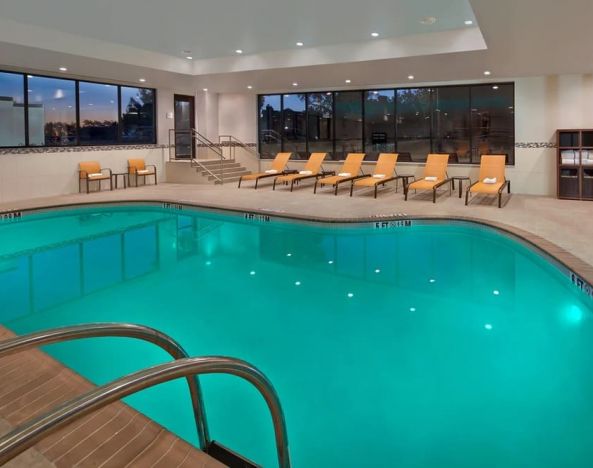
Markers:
139,168
91,171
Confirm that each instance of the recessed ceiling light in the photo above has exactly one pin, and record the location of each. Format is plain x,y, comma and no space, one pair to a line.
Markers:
249,87
375,34
348,81
204,89
29,76
63,69
300,44
410,77
494,87
295,84
487,73
142,80
428,20
329,94
375,92
189,57
468,22
239,51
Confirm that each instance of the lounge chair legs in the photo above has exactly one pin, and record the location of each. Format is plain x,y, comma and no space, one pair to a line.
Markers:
376,185
351,188
315,188
467,196
274,185
256,181
434,195
336,191
240,179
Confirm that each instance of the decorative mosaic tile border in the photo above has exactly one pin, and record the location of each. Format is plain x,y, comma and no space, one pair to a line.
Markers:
536,144
77,149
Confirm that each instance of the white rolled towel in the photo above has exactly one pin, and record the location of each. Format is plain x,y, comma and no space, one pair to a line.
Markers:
144,171
271,171
344,174
306,172
96,174
489,180
379,176
431,178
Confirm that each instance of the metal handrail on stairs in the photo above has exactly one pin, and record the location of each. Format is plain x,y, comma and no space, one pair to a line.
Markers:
234,142
198,141
28,434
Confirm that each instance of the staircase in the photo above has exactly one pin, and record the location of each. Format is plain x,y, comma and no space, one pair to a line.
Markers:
221,172
211,164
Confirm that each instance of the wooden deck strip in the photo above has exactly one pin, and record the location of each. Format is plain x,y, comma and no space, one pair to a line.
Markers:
31,383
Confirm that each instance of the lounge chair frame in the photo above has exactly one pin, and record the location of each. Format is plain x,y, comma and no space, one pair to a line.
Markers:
379,182
304,177
265,176
435,187
507,184
132,171
337,183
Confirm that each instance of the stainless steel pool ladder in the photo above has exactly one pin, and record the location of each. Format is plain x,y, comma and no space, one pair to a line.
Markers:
28,434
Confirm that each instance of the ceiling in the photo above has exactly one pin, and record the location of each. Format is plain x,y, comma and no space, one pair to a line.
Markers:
216,28
512,38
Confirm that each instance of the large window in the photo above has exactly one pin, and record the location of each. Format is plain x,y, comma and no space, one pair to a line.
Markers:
270,125
137,115
44,111
320,112
51,111
98,113
379,122
12,109
348,122
462,121
295,124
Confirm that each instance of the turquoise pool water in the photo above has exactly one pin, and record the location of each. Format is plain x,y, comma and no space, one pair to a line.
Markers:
420,346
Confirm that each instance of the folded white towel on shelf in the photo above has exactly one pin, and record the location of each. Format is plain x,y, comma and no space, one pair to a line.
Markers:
379,176
271,171
568,162
306,172
344,174
489,180
586,162
431,178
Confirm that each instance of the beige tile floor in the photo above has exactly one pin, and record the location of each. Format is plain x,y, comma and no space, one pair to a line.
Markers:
568,224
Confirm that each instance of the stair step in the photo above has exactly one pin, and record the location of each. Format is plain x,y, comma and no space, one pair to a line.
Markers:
225,170
216,162
234,171
234,175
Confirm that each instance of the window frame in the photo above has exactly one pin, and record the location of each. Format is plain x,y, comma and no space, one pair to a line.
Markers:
120,142
510,157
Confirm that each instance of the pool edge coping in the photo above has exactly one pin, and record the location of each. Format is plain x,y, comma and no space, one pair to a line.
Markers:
580,272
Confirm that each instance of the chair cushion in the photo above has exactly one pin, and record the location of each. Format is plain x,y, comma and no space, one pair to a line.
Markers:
481,187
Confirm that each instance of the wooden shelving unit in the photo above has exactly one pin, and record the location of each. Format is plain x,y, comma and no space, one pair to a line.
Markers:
575,164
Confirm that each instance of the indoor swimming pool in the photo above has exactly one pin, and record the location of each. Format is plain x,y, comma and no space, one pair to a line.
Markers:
419,344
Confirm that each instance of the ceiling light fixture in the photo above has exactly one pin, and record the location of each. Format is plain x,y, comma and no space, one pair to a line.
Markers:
205,89
428,20
295,84
189,57
239,51
348,81
375,34
142,80
468,22
494,87
63,69
300,44
410,77
249,87
487,73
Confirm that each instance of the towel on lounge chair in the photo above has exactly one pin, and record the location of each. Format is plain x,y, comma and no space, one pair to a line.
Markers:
489,180
431,178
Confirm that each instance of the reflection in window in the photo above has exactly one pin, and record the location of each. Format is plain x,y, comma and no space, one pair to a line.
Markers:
270,125
137,119
451,133
98,113
295,124
51,111
12,111
413,122
319,122
348,122
140,251
493,121
379,121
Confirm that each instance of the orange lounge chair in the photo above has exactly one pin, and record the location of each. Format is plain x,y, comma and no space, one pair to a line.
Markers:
492,180
138,168
278,167
91,171
434,176
384,172
312,169
349,171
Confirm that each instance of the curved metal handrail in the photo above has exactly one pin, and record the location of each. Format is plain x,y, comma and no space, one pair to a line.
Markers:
25,436
125,330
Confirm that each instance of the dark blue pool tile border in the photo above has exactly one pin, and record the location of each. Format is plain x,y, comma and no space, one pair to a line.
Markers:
579,273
